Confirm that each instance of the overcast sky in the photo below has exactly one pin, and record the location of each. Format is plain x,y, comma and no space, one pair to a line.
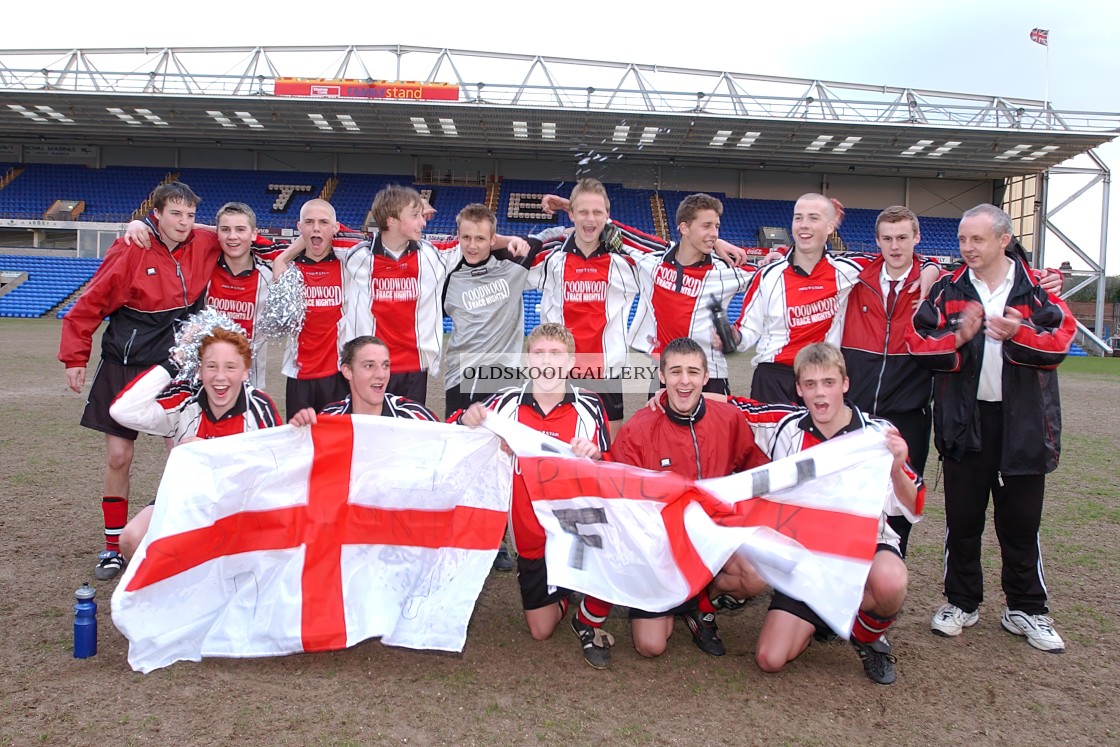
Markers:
952,45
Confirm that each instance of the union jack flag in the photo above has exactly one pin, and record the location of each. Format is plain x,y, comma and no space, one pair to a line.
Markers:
1040,36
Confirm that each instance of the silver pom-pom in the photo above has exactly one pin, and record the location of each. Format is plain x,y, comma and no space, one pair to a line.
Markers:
284,309
190,335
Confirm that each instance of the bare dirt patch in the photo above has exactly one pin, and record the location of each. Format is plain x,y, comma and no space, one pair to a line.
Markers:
986,687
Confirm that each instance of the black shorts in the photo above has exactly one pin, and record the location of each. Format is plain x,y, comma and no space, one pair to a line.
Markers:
884,547
108,381
412,385
532,577
689,606
774,383
797,608
314,393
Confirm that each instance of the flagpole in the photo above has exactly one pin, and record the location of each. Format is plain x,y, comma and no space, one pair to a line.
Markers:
1046,94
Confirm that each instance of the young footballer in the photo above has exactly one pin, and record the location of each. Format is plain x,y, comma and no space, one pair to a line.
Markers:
789,626
680,286
223,402
550,404
886,381
589,289
483,295
697,438
311,360
239,284
367,369
144,293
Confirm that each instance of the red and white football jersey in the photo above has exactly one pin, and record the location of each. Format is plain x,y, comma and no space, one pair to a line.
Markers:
241,297
397,298
786,309
675,302
591,296
315,353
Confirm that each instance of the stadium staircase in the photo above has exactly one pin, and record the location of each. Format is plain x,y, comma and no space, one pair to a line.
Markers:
10,175
660,220
146,206
493,194
65,210
61,308
328,189
1076,351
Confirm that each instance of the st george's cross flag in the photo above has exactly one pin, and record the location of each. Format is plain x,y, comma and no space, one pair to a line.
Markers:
310,539
652,540
1041,36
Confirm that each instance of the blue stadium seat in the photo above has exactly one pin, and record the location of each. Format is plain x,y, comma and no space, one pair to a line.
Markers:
50,280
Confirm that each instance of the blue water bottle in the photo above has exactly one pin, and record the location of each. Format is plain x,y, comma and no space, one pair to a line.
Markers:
85,622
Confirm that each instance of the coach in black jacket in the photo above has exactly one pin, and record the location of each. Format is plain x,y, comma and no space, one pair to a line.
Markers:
994,338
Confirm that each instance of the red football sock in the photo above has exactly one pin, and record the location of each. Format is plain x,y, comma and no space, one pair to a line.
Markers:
706,605
868,627
593,612
115,510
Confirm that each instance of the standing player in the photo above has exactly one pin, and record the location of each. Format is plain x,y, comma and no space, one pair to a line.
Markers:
392,287
886,381
239,284
220,404
483,295
311,360
589,289
145,293
994,339
697,438
680,286
366,367
795,301
549,404
790,624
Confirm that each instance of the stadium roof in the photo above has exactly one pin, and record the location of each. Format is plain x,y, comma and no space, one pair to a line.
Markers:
528,107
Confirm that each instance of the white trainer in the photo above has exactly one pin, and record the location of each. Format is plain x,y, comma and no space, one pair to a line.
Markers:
950,620
1038,629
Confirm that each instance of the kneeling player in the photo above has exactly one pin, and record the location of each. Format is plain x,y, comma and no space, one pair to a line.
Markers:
548,403
366,366
790,624
697,438
221,404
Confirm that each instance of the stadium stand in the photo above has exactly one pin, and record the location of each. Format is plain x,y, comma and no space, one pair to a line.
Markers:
50,281
519,210
112,194
447,201
352,198
264,191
